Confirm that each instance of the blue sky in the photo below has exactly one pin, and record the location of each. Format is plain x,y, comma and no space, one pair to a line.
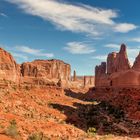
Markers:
79,32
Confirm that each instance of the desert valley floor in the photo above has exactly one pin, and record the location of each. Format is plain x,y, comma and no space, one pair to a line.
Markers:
55,114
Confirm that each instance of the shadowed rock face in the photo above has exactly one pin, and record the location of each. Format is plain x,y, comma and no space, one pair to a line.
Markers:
101,69
136,65
119,73
9,70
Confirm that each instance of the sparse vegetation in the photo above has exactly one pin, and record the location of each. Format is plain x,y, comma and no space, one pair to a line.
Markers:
91,131
12,129
37,136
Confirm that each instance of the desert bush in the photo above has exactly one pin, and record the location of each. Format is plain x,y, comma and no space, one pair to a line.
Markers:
12,129
91,131
37,136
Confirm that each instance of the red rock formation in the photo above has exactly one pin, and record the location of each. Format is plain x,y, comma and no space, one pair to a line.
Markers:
119,73
89,81
101,69
74,76
101,78
9,70
117,62
111,67
46,70
136,65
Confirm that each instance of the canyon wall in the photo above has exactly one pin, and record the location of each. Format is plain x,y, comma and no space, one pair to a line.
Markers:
45,71
40,73
117,72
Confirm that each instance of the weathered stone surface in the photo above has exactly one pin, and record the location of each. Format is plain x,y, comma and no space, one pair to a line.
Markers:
136,65
101,69
117,62
111,67
89,81
128,78
9,70
47,69
74,76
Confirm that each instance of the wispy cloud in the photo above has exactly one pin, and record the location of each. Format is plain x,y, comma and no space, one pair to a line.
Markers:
78,48
35,52
3,15
18,55
136,39
124,27
113,46
75,18
100,57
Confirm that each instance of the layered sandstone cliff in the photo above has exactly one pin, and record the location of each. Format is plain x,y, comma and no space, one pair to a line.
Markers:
44,71
38,72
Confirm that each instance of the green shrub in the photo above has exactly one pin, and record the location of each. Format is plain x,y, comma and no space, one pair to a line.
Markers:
91,131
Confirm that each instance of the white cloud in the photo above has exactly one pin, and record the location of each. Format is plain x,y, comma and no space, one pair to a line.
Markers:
18,55
137,39
114,46
75,18
35,52
3,15
124,27
100,57
78,48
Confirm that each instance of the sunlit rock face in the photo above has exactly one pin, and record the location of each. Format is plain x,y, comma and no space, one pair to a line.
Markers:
9,69
45,71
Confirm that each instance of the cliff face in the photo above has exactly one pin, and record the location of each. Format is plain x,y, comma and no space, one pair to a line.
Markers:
118,73
42,72
51,69
9,70
38,72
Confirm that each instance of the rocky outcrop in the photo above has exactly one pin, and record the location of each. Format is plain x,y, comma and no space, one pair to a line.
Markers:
117,62
119,73
9,69
100,70
89,81
50,69
46,70
83,82
136,65
74,76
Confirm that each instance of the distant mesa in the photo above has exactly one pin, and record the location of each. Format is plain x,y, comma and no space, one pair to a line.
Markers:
117,72
36,73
